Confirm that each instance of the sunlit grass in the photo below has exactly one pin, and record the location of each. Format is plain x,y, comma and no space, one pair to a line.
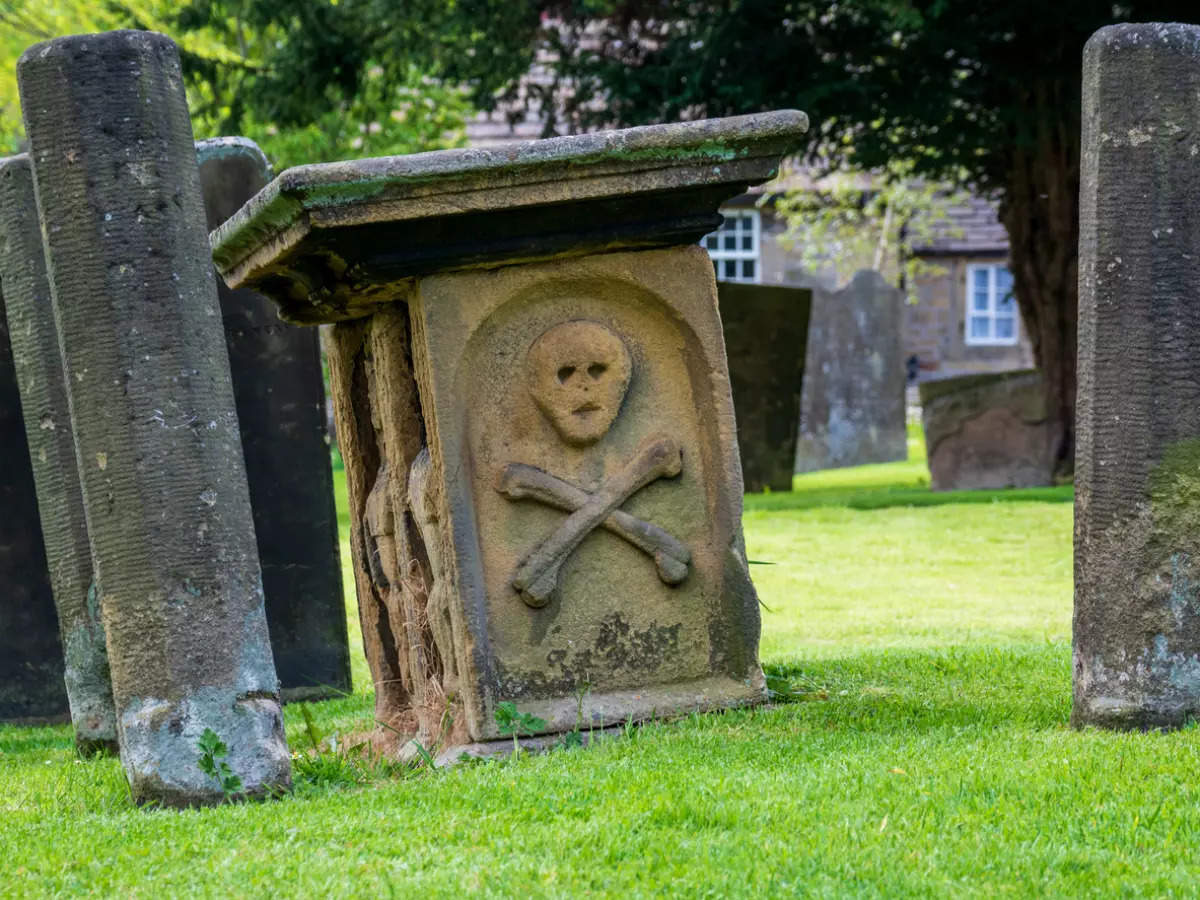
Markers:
930,754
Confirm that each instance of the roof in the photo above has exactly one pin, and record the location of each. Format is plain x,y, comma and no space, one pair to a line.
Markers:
971,228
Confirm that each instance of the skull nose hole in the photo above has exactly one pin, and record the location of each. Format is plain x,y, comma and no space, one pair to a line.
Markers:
564,373
597,369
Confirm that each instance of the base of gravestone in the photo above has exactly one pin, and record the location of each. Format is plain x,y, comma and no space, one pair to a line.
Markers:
503,749
987,432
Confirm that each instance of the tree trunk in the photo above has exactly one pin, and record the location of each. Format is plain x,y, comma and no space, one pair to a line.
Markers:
1040,210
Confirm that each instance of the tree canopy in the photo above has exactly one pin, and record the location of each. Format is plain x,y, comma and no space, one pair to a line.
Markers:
984,94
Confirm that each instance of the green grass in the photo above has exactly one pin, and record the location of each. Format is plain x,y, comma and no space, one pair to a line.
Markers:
928,755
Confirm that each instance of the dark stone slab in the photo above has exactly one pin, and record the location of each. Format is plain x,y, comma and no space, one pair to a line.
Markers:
852,407
276,370
152,407
1137,471
31,661
39,371
766,332
988,431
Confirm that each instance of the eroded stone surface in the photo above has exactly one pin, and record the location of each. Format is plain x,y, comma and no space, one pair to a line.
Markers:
1137,472
852,405
984,432
152,407
39,372
333,241
533,404
31,662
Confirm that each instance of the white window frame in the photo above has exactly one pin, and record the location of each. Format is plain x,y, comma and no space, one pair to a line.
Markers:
720,255
990,313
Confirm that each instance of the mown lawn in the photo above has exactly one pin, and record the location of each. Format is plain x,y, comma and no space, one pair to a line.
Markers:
926,642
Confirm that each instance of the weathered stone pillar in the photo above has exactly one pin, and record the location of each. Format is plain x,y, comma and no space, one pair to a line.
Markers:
533,404
31,670
276,370
766,332
1137,473
152,406
39,372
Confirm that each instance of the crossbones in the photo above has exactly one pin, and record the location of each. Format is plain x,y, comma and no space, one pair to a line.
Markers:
536,576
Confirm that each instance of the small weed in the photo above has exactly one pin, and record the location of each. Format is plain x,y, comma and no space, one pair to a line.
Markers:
211,762
511,722
331,763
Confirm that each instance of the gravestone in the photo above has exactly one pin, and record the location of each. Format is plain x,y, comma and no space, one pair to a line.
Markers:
533,406
1137,471
31,669
152,408
43,402
766,330
276,372
852,406
990,431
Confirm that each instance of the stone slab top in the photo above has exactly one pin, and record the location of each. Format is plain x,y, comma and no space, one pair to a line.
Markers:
331,241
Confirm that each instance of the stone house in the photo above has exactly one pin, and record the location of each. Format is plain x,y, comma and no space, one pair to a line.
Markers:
964,320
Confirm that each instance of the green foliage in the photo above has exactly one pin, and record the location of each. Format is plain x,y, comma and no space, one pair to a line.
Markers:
852,220
511,722
951,87
309,81
212,763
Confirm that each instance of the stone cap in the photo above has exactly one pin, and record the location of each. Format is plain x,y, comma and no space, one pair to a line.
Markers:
331,241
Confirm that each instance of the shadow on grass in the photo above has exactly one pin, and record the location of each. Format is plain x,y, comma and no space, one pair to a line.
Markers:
889,497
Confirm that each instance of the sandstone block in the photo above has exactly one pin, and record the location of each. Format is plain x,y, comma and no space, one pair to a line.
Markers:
533,404
985,432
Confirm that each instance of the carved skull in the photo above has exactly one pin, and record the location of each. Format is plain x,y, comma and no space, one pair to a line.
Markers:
578,373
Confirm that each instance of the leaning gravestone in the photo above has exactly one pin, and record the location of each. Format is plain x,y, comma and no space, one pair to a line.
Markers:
533,406
276,372
988,431
31,674
766,329
852,406
39,375
152,407
1137,473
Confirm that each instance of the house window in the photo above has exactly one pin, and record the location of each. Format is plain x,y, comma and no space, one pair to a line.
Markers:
991,309
733,247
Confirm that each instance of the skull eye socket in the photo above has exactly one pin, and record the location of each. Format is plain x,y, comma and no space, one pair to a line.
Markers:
564,373
597,369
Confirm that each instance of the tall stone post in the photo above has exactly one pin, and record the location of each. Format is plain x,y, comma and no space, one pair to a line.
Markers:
39,374
276,370
31,682
1137,476
152,406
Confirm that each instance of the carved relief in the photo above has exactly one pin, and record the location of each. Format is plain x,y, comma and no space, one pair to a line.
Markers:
579,373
